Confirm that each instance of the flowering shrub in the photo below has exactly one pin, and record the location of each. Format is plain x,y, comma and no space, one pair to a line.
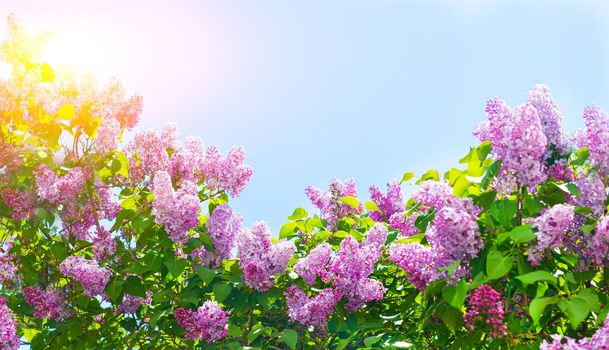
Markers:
106,244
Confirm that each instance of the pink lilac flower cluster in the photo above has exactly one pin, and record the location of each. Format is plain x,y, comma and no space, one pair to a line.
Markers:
147,152
107,136
104,245
259,258
230,174
596,137
417,260
222,227
91,276
311,311
598,247
175,210
550,115
592,193
552,227
315,264
8,269
486,303
60,189
49,303
20,202
187,162
9,158
405,223
561,172
9,340
518,141
78,218
331,207
112,102
454,235
388,204
355,263
209,322
599,341
131,304
434,194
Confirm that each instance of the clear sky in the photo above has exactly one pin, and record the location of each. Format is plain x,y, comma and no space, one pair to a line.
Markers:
315,89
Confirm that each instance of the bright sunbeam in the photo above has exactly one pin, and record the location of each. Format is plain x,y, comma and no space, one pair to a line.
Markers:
88,52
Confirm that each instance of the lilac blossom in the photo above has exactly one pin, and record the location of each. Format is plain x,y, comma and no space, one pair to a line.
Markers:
331,207
390,203
91,276
311,311
552,227
208,323
486,304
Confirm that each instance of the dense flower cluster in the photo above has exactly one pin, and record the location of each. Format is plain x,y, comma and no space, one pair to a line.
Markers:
550,115
230,174
417,260
91,276
8,269
107,136
405,223
8,328
20,202
599,244
131,304
434,194
315,264
209,322
388,204
454,235
596,137
60,189
592,193
176,210
49,303
353,266
519,141
259,258
222,227
486,303
329,204
186,163
311,311
147,152
104,245
552,227
599,341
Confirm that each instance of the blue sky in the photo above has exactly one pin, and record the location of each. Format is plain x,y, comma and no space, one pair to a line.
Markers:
318,89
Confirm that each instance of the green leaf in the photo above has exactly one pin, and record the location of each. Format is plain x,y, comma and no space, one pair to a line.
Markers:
369,341
371,206
407,176
287,230
455,295
590,297
521,234
570,188
429,175
498,265
222,291
124,170
256,331
206,275
537,276
135,287
175,266
490,173
538,305
576,310
114,288
298,214
503,211
484,150
290,338
350,201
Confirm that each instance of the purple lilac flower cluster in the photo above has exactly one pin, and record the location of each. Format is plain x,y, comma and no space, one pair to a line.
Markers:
60,189
259,258
486,303
596,137
519,141
552,227
20,202
104,245
8,269
329,204
222,227
600,340
107,136
550,115
230,174
311,311
599,244
91,276
8,328
592,193
389,204
315,264
417,260
176,210
131,304
49,303
209,322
